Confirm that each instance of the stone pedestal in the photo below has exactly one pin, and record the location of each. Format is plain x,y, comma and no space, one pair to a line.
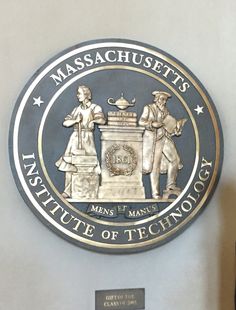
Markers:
85,181
121,163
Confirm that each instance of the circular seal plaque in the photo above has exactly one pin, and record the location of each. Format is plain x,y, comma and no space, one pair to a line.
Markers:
115,145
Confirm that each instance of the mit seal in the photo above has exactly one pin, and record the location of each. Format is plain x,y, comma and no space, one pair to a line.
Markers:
115,145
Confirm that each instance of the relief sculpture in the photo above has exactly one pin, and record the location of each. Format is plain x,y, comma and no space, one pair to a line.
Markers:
160,155
115,145
79,162
130,148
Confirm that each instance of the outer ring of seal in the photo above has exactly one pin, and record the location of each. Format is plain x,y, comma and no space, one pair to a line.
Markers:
51,226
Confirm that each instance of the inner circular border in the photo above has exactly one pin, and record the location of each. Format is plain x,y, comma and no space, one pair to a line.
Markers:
40,144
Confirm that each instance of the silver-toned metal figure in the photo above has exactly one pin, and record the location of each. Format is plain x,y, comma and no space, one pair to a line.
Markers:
81,151
159,152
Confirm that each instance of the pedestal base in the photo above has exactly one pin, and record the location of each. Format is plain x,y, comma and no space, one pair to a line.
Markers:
121,176
114,192
85,181
84,185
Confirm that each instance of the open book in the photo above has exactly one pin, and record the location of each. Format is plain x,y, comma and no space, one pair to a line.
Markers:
172,125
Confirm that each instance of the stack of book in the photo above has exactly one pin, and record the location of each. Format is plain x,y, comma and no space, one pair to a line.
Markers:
122,119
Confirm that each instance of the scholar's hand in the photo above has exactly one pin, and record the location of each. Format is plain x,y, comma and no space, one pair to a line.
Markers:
157,124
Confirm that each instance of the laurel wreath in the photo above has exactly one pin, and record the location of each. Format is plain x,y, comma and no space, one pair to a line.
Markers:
120,171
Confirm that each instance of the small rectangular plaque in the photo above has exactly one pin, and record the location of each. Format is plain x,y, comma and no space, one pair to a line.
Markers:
122,299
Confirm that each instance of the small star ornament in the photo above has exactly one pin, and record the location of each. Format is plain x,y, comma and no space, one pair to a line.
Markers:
199,110
38,101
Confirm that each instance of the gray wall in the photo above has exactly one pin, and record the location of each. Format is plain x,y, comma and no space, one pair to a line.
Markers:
39,270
